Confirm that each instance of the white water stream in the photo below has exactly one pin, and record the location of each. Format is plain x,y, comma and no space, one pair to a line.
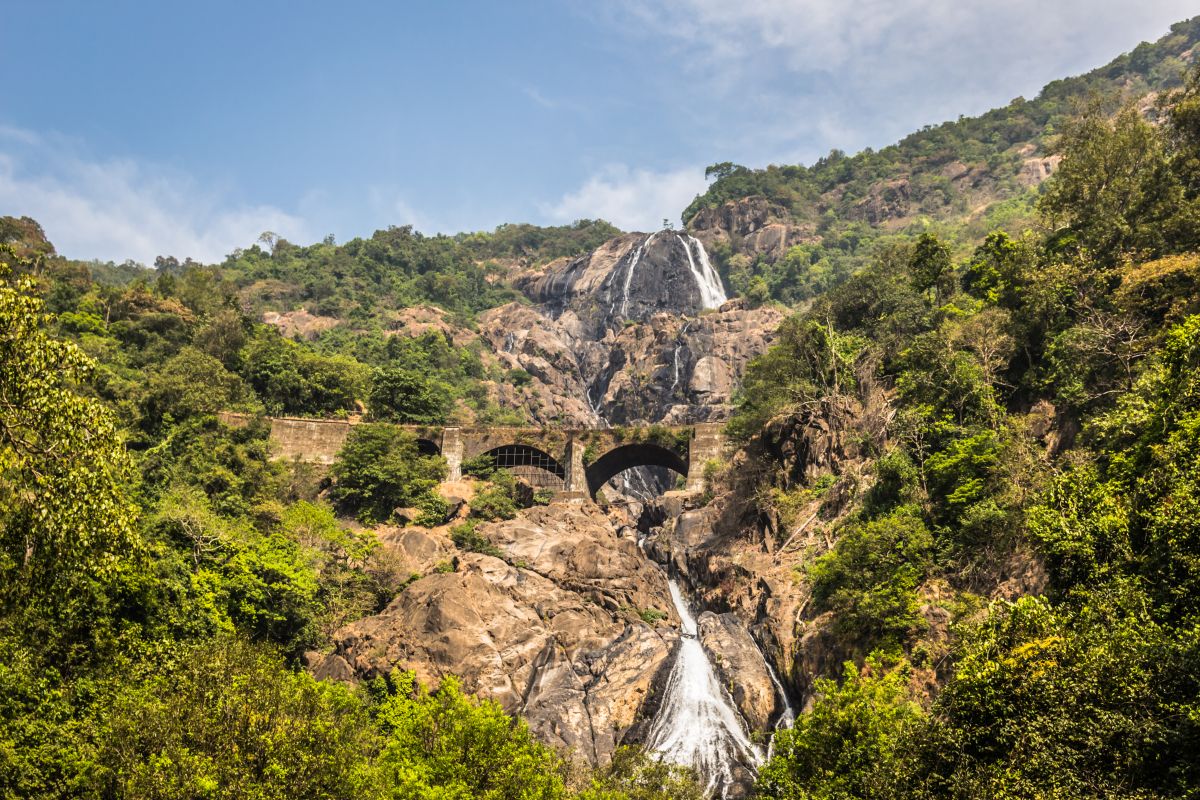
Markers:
712,293
697,725
788,718
633,262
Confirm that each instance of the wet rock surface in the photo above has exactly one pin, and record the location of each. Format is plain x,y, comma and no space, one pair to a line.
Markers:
627,334
554,631
741,667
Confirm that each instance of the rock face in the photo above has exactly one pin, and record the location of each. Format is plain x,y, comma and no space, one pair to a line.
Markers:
558,638
741,668
668,368
751,226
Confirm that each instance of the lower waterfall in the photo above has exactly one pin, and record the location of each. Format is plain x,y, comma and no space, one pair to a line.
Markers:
697,725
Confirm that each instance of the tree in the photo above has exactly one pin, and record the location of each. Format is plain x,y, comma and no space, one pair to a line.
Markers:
226,719
634,774
871,576
65,521
447,744
403,395
191,384
380,469
850,745
810,361
930,265
1114,192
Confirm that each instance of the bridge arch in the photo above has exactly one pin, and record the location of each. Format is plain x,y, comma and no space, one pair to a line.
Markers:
532,464
628,456
428,447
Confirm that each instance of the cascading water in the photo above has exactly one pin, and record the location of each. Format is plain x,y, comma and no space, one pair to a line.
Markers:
788,718
633,262
712,292
697,725
675,357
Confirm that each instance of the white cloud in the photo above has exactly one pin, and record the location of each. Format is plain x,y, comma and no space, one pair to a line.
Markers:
832,34
783,75
119,209
631,199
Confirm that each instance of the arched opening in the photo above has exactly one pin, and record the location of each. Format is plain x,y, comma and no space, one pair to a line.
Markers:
630,456
536,467
428,447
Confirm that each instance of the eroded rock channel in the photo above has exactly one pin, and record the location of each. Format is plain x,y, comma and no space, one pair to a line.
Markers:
580,630
585,619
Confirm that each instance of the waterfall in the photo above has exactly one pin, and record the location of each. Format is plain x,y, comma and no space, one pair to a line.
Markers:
697,724
675,380
675,357
712,293
594,405
633,262
788,718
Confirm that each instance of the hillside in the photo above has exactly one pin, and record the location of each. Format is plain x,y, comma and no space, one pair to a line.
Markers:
960,180
949,546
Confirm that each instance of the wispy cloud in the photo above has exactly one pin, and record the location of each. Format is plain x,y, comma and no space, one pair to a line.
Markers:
118,209
788,73
536,96
631,199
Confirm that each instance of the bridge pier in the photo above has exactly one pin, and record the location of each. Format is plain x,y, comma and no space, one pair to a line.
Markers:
708,444
575,484
452,451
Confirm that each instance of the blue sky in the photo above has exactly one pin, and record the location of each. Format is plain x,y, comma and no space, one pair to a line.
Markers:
133,129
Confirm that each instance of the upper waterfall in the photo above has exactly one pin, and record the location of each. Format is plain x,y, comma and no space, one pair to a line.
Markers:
712,292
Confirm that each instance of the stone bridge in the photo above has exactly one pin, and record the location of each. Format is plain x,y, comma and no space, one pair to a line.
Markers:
577,461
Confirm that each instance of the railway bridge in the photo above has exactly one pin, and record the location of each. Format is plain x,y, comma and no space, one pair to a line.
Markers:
576,461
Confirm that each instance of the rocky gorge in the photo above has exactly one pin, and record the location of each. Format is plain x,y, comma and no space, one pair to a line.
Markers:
577,617
676,621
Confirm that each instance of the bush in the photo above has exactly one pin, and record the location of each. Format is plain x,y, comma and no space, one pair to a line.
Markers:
447,744
634,774
380,469
408,396
870,577
850,744
466,537
226,720
493,503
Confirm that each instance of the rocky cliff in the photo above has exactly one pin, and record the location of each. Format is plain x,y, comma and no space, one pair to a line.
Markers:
570,627
637,331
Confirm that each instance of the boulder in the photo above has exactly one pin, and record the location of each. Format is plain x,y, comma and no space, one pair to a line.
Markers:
557,638
741,668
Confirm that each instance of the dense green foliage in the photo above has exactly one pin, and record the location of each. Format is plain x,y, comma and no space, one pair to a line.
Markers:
363,280
1012,574
1046,395
160,576
380,469
961,180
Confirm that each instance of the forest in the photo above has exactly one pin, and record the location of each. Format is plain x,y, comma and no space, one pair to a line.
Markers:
1090,689
161,577
960,180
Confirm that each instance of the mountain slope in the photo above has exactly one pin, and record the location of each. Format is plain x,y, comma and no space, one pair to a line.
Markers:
962,179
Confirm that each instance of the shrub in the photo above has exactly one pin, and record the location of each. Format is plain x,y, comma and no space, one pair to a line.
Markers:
380,469
448,744
870,577
466,537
